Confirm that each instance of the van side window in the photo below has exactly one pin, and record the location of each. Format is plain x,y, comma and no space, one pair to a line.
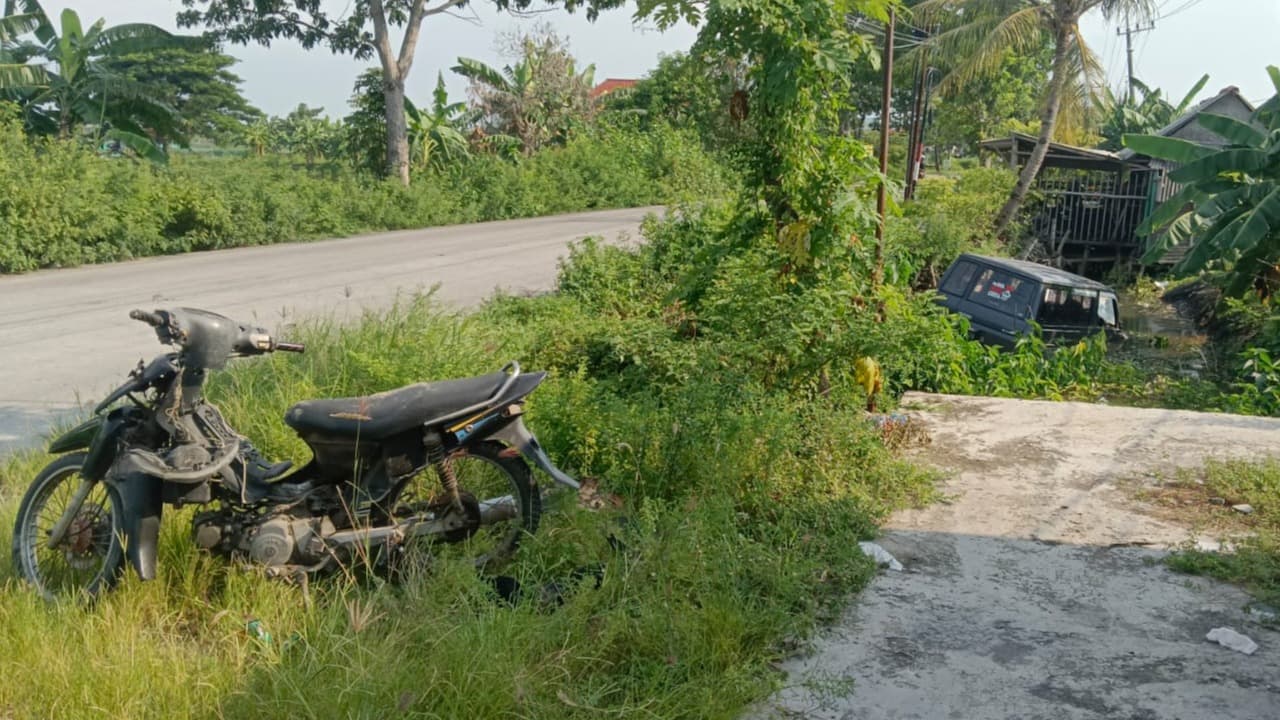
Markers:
1002,291
1068,307
959,279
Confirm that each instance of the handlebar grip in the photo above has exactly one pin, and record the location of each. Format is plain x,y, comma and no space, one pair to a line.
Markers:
290,347
149,318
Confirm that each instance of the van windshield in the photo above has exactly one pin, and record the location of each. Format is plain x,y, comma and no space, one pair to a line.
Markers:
1068,307
1002,291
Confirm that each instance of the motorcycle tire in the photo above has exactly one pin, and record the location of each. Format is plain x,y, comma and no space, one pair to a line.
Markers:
90,558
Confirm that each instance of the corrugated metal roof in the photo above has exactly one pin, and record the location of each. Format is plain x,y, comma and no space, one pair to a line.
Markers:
1186,118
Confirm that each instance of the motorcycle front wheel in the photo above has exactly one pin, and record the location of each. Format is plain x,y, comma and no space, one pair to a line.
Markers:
89,555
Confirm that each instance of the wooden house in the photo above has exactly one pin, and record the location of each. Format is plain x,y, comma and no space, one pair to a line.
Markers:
1087,204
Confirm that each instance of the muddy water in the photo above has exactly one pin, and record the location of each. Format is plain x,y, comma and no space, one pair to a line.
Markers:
1154,318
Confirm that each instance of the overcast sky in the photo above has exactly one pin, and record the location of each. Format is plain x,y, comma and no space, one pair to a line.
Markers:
1232,40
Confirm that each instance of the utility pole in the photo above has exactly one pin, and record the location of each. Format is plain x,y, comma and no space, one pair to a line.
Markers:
915,149
882,200
1128,32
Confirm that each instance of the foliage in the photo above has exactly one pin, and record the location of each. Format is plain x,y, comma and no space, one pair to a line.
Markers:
1230,200
687,90
68,80
807,187
197,84
949,216
435,133
995,104
64,206
540,99
1136,116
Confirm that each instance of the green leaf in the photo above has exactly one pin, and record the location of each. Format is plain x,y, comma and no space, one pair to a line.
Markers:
138,144
22,77
1232,130
1260,223
1191,95
1235,160
1167,148
1170,210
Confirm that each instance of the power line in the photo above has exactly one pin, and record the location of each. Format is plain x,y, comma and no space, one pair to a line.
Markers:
1185,6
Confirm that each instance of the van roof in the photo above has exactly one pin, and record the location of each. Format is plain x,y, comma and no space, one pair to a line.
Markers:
1043,273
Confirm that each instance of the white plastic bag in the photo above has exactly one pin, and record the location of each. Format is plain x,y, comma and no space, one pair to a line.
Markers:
1228,638
880,555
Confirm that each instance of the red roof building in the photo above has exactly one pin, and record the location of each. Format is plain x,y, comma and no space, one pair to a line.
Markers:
610,85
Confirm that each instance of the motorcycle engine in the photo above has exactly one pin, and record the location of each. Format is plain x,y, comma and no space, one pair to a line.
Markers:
276,540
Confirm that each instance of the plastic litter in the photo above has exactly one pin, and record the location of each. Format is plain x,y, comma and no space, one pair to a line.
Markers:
1245,508
1228,638
880,555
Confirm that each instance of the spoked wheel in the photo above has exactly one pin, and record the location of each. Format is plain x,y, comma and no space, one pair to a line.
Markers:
89,555
499,498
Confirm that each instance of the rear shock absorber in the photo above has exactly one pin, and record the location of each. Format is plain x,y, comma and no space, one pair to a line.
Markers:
444,468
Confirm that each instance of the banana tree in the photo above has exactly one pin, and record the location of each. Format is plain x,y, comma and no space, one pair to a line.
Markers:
1126,115
62,84
1229,205
434,134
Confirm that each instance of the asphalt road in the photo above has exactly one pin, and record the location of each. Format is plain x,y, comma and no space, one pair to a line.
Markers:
66,339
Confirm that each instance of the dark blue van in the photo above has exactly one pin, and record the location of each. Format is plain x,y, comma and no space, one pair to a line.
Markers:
1001,297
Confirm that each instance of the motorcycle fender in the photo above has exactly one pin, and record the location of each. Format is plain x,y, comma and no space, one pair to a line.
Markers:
517,436
77,438
143,507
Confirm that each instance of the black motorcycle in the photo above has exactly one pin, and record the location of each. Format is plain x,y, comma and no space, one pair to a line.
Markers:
362,498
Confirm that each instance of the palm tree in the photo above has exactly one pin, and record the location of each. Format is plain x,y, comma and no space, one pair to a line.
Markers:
435,134
975,35
62,83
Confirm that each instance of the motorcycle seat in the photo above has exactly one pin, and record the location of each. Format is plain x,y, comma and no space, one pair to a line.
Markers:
377,417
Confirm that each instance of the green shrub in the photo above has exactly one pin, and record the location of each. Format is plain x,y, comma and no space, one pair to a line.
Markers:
62,205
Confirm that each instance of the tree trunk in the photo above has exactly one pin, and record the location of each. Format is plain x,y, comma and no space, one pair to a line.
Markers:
397,130
1048,122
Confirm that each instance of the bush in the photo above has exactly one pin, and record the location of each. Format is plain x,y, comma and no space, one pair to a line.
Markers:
62,205
949,216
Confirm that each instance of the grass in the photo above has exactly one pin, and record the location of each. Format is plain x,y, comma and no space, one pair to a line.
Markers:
1255,560
742,509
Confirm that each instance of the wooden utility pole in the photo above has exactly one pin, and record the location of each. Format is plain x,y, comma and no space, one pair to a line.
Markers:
915,153
882,200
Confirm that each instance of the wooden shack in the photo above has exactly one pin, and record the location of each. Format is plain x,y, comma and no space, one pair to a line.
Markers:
1086,204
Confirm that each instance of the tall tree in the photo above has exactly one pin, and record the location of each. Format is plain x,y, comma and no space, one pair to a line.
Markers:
363,29
197,83
66,80
977,34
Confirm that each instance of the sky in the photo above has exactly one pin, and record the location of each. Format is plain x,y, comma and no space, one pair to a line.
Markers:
1231,40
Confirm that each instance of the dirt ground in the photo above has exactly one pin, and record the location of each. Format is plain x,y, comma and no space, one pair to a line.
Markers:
1034,591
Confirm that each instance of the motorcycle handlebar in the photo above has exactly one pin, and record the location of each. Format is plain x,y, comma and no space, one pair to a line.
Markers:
149,318
290,347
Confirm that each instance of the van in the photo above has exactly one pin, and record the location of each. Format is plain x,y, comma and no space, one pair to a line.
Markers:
1002,297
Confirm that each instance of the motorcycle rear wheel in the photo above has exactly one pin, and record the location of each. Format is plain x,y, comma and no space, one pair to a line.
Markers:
90,557
499,486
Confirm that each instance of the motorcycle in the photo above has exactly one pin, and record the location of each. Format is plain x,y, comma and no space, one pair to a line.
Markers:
358,499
